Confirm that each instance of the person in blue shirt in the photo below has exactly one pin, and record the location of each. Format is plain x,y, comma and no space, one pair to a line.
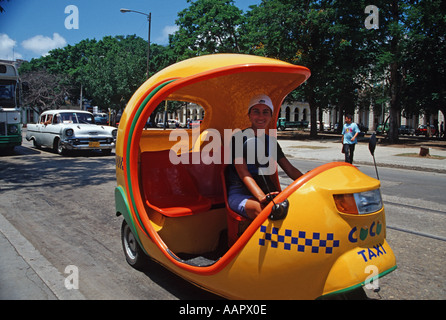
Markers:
350,132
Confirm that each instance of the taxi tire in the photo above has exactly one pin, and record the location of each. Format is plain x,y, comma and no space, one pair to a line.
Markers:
134,255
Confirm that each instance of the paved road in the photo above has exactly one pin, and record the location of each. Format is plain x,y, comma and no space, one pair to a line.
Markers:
63,208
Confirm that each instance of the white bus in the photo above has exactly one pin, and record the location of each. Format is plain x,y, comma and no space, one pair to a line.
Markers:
10,116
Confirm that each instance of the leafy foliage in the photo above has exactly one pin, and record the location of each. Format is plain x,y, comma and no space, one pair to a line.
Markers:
109,71
206,27
400,63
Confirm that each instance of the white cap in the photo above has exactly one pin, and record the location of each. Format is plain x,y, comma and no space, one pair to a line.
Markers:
261,99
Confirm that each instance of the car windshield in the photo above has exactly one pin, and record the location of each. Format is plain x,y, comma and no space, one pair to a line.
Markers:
76,117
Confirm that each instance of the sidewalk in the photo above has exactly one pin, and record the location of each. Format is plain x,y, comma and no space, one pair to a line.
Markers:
18,281
24,273
405,156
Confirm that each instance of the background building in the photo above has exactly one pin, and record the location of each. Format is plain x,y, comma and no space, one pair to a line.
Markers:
300,111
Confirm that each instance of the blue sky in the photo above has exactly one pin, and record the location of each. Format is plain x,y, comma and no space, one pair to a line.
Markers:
31,28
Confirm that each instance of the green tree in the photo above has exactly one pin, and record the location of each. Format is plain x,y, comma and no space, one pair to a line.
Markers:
205,27
401,62
424,63
68,61
108,71
348,68
392,49
115,70
325,36
392,43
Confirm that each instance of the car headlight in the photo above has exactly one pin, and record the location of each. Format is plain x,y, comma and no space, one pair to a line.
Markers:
13,129
114,133
359,203
69,132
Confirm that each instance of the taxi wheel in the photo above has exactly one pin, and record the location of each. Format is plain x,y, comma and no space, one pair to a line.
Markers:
134,255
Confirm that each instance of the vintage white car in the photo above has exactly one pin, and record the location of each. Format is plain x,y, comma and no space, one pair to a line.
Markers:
65,130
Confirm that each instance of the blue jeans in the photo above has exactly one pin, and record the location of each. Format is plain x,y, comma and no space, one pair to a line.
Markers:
237,197
349,149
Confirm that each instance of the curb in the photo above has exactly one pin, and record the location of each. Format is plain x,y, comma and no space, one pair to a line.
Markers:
38,264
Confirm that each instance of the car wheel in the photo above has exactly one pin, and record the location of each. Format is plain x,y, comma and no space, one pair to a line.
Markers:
35,144
134,255
59,148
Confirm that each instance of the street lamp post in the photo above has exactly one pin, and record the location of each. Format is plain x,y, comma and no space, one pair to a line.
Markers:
149,19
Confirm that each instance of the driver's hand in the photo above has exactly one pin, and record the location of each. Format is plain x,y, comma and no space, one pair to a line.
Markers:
268,197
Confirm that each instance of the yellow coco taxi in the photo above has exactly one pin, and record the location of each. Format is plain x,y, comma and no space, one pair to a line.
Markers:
171,191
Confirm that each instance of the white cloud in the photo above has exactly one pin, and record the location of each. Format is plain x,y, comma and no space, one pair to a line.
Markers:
7,45
42,45
164,39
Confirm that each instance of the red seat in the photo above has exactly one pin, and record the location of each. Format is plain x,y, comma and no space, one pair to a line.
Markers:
169,188
207,174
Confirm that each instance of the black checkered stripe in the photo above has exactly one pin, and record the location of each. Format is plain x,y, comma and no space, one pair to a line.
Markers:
298,240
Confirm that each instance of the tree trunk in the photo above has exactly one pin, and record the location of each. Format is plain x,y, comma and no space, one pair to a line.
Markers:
395,80
313,111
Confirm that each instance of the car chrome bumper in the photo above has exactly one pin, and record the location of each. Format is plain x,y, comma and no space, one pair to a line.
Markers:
88,144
